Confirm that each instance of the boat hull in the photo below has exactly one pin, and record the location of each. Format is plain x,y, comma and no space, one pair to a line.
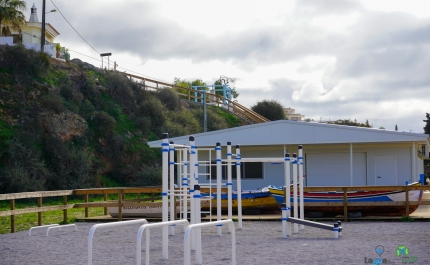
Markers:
358,197
262,201
153,209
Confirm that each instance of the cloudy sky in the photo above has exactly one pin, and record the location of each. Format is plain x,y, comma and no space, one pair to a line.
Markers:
331,59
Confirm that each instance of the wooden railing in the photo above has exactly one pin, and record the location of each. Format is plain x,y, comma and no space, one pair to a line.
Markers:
345,204
157,190
197,95
86,204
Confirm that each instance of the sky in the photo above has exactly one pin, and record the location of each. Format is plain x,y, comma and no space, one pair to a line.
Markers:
328,60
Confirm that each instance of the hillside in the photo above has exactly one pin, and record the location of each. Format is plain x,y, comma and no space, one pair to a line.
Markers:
72,125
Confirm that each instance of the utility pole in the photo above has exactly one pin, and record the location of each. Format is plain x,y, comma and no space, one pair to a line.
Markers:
205,117
42,35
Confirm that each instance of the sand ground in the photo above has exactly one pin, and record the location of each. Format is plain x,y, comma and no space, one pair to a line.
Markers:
259,242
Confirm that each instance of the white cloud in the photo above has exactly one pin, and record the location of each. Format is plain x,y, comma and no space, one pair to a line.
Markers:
364,59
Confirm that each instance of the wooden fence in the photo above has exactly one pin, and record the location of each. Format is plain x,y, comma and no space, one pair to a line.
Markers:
157,190
86,204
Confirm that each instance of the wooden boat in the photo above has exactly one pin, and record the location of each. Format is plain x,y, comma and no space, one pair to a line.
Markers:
253,201
151,209
354,196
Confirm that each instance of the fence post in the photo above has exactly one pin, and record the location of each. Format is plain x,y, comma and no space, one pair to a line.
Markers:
12,217
120,205
345,205
39,214
407,200
105,199
65,210
86,208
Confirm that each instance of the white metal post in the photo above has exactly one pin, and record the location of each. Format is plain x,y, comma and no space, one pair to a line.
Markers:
164,191
287,173
192,166
229,182
198,234
218,185
296,226
172,186
185,184
300,165
284,221
239,187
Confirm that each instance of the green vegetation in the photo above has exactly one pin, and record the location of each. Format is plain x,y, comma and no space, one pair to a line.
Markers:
11,15
270,109
427,126
405,218
353,123
72,125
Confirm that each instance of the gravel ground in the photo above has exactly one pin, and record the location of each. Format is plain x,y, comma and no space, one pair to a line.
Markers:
259,242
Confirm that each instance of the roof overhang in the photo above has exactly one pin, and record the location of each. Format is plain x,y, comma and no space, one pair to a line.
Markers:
285,132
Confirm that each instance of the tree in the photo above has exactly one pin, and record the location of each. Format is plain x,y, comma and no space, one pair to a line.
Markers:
233,90
427,127
271,109
11,15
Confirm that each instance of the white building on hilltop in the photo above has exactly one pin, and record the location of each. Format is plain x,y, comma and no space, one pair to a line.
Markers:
30,35
290,114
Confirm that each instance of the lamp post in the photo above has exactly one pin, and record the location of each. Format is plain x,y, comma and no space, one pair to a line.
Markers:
42,36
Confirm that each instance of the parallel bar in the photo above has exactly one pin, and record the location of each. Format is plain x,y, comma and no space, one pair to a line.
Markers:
309,223
93,230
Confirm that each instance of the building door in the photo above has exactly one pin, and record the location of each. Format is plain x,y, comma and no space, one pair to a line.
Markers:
334,169
385,170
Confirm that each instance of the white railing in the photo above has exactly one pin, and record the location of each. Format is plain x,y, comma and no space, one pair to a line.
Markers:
148,227
40,226
94,227
187,243
59,227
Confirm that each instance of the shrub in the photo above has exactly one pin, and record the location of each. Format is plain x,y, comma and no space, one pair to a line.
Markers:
120,89
53,102
169,98
147,176
103,123
72,165
153,109
24,169
271,109
71,94
25,63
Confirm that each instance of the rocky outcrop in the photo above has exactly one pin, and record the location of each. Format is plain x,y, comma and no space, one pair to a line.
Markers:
63,125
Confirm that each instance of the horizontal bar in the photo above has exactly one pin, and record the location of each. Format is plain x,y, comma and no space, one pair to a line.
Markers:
309,223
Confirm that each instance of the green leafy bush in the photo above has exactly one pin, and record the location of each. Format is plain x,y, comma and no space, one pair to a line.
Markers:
53,102
103,123
24,169
169,98
271,109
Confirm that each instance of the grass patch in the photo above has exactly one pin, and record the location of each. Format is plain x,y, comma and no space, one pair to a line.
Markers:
405,218
231,119
26,221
